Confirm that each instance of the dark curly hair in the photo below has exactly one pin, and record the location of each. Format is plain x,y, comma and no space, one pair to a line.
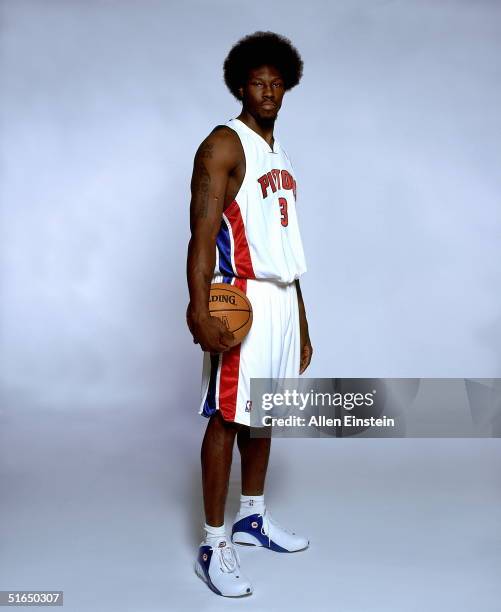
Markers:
257,50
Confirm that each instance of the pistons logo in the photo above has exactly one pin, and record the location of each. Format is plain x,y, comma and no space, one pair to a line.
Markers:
254,525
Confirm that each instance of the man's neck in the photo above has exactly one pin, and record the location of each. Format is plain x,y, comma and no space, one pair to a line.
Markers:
263,127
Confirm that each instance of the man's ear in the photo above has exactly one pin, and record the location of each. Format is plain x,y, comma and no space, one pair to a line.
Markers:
240,93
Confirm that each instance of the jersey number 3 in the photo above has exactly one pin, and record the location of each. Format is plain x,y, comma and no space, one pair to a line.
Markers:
284,219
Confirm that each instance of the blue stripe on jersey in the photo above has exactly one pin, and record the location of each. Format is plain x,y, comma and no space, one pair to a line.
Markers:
210,400
224,245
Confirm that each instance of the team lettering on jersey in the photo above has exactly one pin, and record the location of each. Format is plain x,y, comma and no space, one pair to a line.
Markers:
277,179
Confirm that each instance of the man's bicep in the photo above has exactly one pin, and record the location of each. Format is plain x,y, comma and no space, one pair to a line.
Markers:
209,181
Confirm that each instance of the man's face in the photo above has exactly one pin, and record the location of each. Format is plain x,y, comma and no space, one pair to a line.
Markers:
263,92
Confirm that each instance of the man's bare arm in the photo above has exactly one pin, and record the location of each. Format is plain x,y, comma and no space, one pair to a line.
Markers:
214,160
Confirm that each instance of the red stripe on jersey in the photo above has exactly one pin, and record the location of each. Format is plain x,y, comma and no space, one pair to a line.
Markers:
241,252
230,367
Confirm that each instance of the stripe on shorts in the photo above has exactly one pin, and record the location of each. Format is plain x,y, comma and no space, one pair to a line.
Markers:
230,367
210,403
210,399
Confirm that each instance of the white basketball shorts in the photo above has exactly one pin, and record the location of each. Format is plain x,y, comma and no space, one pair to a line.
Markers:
271,349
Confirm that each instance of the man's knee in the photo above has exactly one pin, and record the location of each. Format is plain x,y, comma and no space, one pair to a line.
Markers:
229,427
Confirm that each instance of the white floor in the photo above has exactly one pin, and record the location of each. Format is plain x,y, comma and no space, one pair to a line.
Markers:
106,505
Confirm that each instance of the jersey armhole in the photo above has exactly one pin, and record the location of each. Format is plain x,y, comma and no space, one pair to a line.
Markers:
245,154
220,126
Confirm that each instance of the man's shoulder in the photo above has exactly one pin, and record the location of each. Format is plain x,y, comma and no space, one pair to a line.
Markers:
222,141
224,135
223,129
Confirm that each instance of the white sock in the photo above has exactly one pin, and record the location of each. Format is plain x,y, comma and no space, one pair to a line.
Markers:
251,504
214,533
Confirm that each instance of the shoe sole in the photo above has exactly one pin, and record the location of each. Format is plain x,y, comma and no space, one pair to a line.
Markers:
201,574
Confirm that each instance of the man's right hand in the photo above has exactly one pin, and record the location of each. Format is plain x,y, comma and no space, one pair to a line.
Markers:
210,332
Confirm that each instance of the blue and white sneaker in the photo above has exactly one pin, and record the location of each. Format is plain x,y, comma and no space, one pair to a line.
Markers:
262,530
218,565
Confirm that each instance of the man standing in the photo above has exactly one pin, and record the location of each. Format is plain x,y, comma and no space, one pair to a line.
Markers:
244,231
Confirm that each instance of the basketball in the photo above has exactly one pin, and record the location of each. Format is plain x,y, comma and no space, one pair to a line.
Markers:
231,305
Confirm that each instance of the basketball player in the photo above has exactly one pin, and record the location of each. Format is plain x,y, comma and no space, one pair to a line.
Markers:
244,231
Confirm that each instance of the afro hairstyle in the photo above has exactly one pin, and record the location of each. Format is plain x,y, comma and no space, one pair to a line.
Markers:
259,49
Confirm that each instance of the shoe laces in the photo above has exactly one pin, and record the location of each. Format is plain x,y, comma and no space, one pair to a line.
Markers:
267,521
228,559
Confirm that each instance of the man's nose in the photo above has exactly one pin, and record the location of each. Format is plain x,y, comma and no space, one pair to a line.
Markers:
268,91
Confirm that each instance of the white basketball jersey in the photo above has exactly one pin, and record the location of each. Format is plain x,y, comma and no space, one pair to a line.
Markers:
259,234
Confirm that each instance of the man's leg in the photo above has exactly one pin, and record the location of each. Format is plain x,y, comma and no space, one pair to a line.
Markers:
254,453
217,562
253,525
216,455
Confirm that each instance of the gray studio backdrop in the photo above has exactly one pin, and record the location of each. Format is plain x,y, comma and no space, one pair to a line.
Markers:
394,135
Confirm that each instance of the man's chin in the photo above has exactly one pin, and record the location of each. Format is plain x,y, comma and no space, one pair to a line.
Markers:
268,115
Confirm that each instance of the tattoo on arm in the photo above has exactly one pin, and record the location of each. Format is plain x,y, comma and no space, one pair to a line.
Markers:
206,151
201,185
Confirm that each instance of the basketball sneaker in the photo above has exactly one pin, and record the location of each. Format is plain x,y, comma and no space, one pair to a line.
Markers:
262,530
218,565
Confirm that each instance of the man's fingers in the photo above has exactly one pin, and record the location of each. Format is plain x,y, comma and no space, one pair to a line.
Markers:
305,358
227,337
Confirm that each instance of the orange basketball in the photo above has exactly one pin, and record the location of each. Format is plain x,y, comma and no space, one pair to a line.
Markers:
232,306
